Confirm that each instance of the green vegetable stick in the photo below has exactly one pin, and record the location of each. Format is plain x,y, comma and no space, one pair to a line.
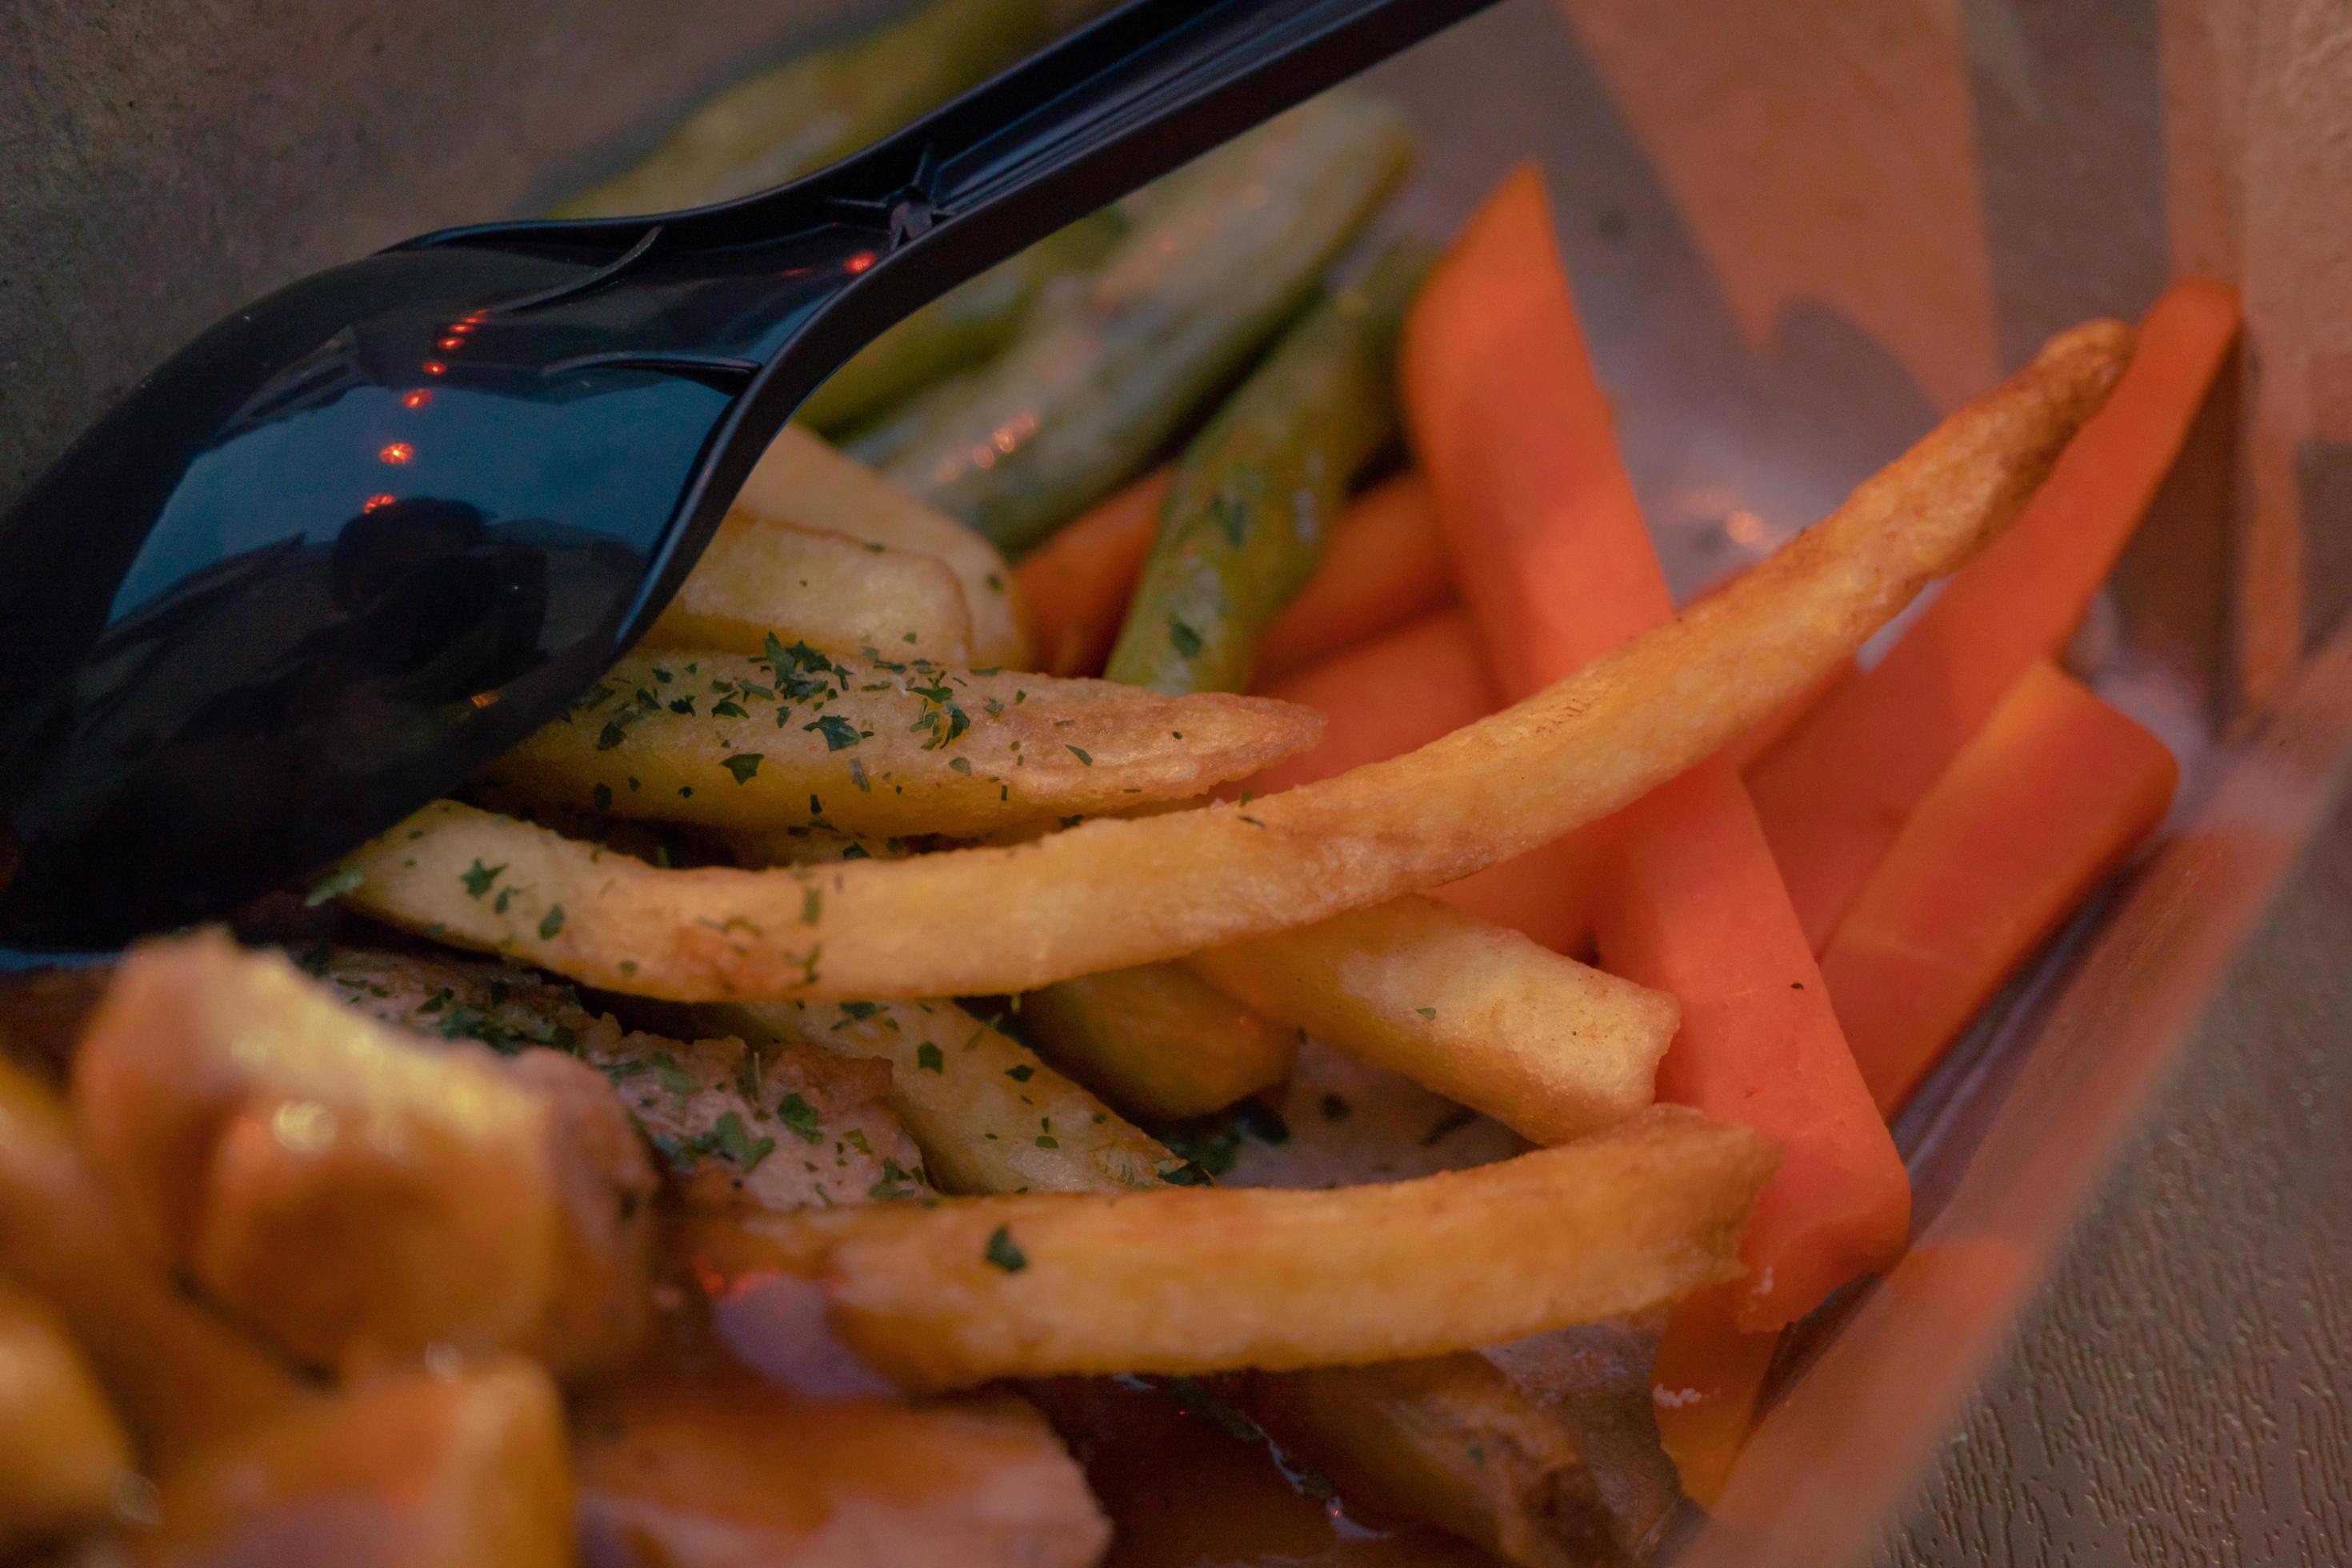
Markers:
1245,519
1225,254
816,107
961,328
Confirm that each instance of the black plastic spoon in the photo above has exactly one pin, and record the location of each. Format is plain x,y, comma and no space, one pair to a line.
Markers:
370,532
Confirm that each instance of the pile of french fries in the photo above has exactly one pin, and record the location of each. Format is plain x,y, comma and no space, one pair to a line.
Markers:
680,1147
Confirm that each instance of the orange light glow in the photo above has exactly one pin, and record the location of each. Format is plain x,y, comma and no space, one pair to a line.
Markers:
484,698
860,262
460,328
398,452
434,367
450,344
416,399
374,501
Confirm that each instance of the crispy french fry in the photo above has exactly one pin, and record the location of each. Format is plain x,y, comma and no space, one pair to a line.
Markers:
182,1378
733,1474
466,1468
1437,1408
801,479
1551,1048
1114,893
1016,1286
989,1116
760,578
355,1192
1451,1440
1157,1041
802,740
62,1451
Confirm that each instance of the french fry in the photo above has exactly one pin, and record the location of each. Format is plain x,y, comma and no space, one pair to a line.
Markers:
989,1116
1451,1440
62,1451
801,480
1548,1046
1016,1286
1112,893
758,578
463,1469
1157,1041
356,1193
1435,1407
731,1474
801,738
182,1378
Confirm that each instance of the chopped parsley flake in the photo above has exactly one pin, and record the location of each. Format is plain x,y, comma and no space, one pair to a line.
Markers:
552,922
1001,1253
800,1118
1021,1073
1186,641
928,1059
839,732
1426,1012
738,1145
1079,753
478,878
743,765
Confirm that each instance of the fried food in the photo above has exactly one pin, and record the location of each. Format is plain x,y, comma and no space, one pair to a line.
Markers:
356,1193
735,1474
758,578
1111,893
990,1117
461,1466
1212,1279
801,738
62,1449
1157,1041
801,480
1548,1046
182,1378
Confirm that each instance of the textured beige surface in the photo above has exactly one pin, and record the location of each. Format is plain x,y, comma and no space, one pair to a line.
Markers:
2183,1393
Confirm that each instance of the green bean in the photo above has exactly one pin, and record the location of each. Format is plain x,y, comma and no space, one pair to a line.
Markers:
815,109
970,323
1256,492
1215,264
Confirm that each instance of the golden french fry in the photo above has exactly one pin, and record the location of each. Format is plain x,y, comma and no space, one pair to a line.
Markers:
733,1474
990,1117
1551,1048
1157,1041
1212,1279
801,480
802,739
62,1451
463,1467
355,1192
1113,893
758,578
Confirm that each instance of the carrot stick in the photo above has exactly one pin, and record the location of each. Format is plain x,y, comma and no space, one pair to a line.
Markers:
1705,1392
1077,583
1835,795
1382,699
1383,565
2054,794
1553,561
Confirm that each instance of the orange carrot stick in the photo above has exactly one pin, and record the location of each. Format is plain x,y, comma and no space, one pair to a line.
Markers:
1835,795
1553,561
1705,1391
1386,697
2054,794
1383,565
1077,583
